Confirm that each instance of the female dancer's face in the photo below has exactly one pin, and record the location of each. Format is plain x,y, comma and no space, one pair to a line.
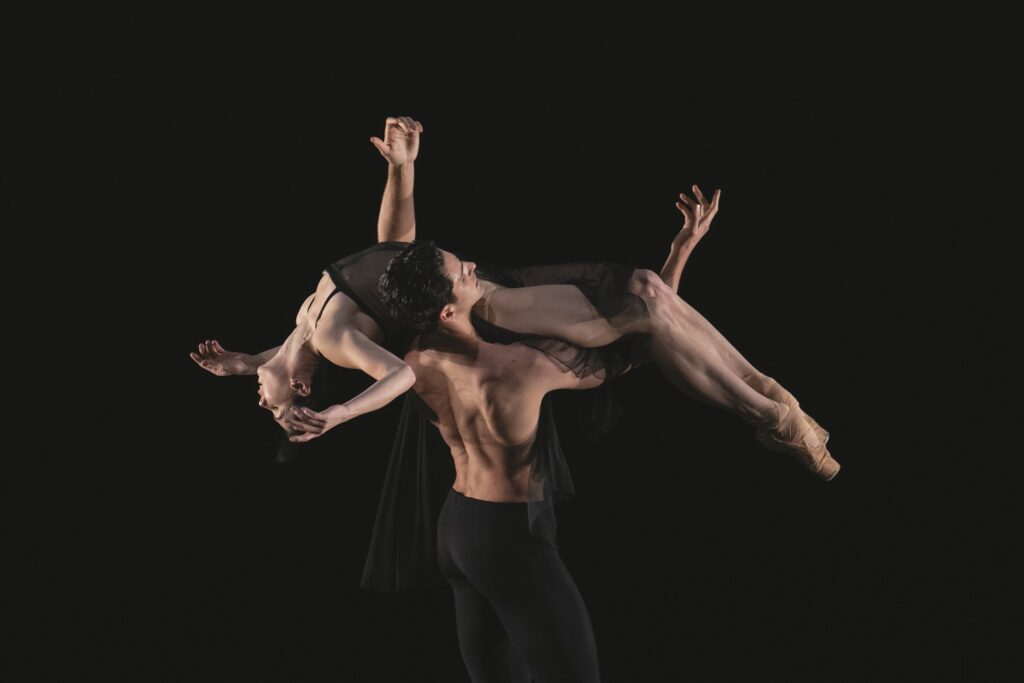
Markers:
276,392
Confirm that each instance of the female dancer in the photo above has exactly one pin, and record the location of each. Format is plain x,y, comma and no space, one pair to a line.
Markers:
588,305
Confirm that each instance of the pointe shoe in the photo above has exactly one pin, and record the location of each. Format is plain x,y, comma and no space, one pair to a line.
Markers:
775,391
790,433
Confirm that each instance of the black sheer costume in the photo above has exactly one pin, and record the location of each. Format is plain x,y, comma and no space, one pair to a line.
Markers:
402,551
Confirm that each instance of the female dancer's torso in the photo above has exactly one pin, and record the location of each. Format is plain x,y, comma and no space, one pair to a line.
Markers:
331,308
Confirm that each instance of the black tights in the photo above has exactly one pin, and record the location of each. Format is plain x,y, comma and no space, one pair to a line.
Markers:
518,612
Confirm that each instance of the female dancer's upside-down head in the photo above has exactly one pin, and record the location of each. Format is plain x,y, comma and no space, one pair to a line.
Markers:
294,377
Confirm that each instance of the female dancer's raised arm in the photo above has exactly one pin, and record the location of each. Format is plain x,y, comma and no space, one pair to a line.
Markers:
401,144
693,229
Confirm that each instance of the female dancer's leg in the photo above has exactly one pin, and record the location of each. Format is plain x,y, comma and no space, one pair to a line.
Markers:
686,347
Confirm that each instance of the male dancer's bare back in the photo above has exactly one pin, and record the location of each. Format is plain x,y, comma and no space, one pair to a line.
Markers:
487,400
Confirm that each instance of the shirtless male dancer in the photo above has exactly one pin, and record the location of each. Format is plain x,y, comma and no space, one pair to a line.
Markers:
518,611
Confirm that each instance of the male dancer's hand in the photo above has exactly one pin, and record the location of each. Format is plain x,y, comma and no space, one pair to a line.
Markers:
698,214
312,423
401,143
214,358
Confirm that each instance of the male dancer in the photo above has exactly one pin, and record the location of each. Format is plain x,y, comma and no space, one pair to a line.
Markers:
518,611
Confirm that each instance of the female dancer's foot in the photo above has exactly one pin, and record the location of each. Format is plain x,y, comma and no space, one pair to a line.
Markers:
767,386
790,433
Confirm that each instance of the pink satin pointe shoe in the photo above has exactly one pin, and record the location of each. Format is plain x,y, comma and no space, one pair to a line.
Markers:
790,433
768,387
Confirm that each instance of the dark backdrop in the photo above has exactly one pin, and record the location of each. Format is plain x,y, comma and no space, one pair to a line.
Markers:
205,168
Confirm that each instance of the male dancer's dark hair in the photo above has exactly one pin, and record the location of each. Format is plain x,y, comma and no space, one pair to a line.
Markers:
415,287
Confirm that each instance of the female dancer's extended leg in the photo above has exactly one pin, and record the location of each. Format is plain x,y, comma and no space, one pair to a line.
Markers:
686,347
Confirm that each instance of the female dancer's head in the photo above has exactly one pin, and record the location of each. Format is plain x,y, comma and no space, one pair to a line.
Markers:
427,286
293,377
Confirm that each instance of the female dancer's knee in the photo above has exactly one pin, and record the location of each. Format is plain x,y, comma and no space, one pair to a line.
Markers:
646,283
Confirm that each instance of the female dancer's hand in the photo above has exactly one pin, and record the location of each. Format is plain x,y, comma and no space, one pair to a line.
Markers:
214,358
312,423
401,141
698,214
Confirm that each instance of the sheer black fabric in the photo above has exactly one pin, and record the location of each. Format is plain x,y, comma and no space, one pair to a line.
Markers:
604,285
358,275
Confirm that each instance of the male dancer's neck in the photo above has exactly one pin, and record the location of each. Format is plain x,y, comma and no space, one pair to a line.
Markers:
456,335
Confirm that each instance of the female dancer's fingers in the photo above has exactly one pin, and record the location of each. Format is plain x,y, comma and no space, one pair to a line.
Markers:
313,417
683,209
196,357
301,426
298,424
217,347
306,426
307,417
700,195
689,202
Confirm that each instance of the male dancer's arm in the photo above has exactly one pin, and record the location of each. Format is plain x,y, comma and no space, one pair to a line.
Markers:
400,146
698,214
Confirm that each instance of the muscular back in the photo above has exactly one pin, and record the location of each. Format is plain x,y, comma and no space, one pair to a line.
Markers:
487,400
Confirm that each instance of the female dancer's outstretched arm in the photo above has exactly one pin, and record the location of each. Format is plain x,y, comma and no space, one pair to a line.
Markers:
347,347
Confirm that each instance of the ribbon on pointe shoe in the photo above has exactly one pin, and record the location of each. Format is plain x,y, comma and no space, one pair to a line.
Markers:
770,388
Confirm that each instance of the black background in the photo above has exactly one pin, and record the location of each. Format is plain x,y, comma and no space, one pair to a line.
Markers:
203,169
